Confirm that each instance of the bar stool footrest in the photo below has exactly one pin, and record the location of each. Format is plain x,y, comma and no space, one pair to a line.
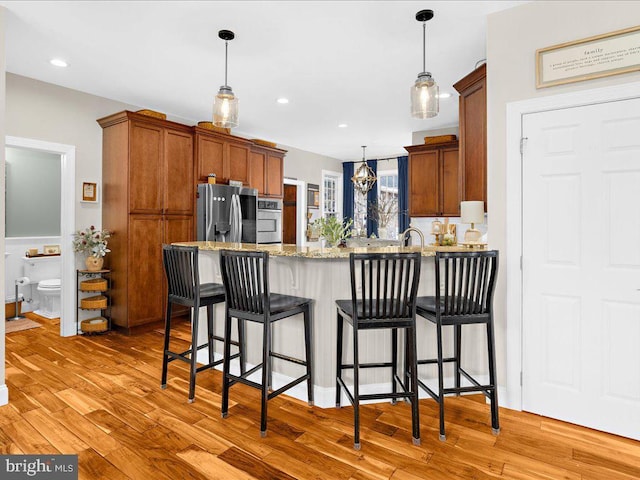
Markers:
283,389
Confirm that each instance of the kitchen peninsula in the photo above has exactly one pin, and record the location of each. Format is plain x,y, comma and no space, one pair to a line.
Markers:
321,274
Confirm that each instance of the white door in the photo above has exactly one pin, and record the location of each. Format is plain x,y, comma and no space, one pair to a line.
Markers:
581,265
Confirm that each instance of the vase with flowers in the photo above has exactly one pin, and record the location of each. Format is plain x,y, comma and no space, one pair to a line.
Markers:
94,243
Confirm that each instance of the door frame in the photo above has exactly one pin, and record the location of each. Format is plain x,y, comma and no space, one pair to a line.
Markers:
67,224
513,219
301,209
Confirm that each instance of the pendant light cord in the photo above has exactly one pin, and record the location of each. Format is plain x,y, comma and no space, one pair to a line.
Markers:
424,46
226,44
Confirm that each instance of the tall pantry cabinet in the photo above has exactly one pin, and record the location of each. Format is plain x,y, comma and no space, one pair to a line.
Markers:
148,200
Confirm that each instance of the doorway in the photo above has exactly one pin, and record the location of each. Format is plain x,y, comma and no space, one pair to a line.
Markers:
576,304
67,223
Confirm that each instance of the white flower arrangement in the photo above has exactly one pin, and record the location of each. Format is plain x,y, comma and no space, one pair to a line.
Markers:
91,241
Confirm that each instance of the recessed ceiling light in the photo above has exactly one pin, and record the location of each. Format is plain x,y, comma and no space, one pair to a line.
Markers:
283,100
444,95
342,125
58,62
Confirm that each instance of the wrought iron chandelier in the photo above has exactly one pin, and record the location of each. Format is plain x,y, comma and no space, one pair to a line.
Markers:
364,178
425,102
225,105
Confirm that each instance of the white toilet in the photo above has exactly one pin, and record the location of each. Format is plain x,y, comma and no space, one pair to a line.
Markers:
46,273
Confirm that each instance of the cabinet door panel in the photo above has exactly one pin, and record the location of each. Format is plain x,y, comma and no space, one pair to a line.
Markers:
423,184
239,163
146,276
451,183
145,168
256,171
274,176
178,192
474,109
210,153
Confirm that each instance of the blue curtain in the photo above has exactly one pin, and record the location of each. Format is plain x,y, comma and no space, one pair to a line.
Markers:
347,190
403,194
372,201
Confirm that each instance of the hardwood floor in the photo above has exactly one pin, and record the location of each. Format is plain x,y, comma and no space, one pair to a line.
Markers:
100,397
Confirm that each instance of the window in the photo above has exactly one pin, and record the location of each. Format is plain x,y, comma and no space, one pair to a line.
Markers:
331,194
387,210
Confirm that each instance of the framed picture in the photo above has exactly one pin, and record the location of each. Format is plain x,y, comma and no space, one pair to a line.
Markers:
51,249
313,195
89,192
594,57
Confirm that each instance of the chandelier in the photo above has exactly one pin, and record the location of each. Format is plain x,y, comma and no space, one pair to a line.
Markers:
364,178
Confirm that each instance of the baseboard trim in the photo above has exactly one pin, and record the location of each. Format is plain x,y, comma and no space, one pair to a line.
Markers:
4,394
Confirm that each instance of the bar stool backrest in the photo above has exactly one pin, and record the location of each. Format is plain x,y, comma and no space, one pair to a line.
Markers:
384,285
245,276
469,282
181,269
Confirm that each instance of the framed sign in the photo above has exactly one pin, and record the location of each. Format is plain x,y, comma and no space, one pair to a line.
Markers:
89,192
594,57
51,249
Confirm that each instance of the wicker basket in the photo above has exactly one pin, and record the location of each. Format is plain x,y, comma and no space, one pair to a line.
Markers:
439,139
211,126
92,325
264,143
94,285
97,302
152,113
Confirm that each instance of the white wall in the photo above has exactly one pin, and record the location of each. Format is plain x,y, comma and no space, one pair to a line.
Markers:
4,393
512,38
417,138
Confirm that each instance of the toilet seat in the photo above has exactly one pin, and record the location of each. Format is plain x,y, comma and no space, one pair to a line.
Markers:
52,284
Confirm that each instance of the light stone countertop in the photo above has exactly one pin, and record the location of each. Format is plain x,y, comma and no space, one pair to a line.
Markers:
286,250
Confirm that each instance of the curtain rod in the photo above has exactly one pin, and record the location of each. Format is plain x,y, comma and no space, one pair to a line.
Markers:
376,159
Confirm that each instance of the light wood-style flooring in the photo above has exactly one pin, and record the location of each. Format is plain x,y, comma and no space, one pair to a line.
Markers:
100,397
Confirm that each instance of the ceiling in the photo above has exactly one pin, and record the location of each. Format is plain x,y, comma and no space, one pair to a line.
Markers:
349,62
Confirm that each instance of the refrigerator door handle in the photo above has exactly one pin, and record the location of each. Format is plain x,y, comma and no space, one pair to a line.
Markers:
233,217
239,213
209,218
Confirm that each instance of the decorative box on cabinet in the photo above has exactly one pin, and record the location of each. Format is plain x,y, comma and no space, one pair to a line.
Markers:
148,200
435,180
93,303
473,133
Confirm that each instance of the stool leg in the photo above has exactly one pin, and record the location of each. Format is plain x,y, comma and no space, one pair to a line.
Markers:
210,330
457,348
165,357
394,362
356,391
413,366
225,364
308,331
241,346
495,424
266,348
440,379
194,354
339,358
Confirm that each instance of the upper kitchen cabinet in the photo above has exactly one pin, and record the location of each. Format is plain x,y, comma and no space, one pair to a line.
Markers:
225,155
267,171
157,158
435,180
473,133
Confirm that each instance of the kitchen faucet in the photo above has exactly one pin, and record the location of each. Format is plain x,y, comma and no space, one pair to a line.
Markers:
408,231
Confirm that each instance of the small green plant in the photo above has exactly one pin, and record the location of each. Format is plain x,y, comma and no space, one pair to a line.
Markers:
333,230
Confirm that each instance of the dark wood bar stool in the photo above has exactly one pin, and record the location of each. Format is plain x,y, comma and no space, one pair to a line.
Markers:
246,282
468,280
383,296
184,288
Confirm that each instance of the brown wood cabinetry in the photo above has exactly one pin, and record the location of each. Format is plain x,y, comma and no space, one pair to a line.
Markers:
473,133
435,180
266,171
225,155
148,200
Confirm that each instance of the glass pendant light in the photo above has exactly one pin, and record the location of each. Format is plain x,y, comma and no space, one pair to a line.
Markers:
225,105
425,102
364,178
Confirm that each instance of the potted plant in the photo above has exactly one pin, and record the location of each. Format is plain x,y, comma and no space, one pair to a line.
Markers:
94,243
333,230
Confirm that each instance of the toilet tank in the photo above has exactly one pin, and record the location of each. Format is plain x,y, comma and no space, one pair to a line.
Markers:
42,268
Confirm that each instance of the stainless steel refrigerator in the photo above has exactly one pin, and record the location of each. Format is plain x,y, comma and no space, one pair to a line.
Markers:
226,213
